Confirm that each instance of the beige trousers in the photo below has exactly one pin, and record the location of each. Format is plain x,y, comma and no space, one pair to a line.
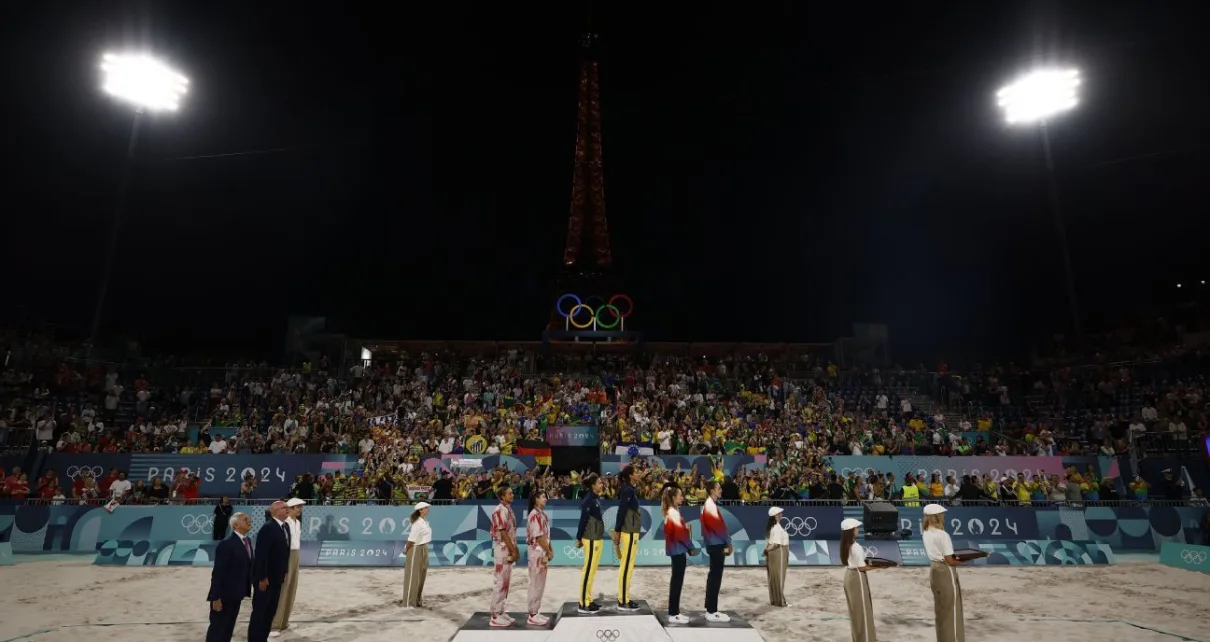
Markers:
861,605
947,603
281,619
777,559
414,570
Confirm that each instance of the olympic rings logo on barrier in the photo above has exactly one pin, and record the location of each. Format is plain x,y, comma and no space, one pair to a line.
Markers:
799,525
1196,558
608,635
870,551
573,552
196,524
74,472
582,315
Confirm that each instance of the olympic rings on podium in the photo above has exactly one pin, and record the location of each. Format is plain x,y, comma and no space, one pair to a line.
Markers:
605,315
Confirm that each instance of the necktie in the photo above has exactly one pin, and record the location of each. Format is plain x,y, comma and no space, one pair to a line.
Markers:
286,527
247,546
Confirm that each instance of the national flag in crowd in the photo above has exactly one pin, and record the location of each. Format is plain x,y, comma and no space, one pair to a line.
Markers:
539,450
636,449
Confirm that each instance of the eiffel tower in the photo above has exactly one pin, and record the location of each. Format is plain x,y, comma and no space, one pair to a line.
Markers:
588,300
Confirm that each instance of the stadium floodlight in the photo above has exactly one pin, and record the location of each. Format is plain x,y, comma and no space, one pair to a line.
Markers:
1033,99
143,81
149,85
1039,95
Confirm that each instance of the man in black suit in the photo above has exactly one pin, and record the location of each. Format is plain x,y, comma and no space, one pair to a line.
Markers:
231,579
269,567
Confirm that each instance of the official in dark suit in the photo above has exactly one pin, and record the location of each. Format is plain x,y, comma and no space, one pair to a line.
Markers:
230,580
269,568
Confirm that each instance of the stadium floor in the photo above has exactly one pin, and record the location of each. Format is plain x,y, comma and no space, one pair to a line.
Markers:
53,598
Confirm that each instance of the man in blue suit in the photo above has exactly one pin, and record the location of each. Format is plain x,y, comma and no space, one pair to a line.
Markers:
230,580
269,567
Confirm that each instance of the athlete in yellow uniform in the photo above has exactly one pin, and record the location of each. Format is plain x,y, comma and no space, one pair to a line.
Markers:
626,535
589,535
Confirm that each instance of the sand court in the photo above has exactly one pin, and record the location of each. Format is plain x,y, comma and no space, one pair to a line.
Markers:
70,600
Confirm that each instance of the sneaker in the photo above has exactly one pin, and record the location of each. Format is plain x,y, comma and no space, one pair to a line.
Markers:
537,619
718,617
500,622
508,617
592,609
629,606
274,634
678,619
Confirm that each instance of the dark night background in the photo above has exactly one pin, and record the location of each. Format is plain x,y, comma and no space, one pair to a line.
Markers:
774,171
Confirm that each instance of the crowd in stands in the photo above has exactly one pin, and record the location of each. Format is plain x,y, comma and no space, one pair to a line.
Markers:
392,414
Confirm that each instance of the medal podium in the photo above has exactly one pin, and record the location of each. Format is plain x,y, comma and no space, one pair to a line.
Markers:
608,625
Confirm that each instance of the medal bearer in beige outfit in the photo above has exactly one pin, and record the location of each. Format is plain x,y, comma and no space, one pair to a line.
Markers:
777,553
856,583
417,554
943,576
285,604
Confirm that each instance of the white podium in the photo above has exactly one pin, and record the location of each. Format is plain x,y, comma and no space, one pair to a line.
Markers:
608,625
699,630
478,628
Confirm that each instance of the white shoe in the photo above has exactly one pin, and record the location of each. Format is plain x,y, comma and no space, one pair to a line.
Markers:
679,618
500,622
508,617
718,617
538,619
274,634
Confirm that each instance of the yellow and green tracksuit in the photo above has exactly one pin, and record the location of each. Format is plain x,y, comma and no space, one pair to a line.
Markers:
628,529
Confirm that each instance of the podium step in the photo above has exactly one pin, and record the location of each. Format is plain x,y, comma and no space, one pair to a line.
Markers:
699,630
608,625
478,629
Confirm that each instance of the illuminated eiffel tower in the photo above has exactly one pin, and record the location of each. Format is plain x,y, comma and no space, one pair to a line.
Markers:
588,300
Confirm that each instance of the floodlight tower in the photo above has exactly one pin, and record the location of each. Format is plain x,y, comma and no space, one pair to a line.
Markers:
1034,99
148,85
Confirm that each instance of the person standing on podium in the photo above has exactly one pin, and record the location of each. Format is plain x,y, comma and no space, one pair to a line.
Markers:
678,544
718,546
589,535
505,552
626,534
537,536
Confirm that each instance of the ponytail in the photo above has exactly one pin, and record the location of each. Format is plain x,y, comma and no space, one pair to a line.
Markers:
846,542
668,499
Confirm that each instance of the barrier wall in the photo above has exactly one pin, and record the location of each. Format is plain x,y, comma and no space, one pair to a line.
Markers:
220,474
6,554
461,532
732,464
996,467
1187,556
341,553
472,463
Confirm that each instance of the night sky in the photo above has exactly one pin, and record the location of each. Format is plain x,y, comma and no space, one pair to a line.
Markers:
775,171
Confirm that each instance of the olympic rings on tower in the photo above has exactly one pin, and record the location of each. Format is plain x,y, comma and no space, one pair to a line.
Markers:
583,314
